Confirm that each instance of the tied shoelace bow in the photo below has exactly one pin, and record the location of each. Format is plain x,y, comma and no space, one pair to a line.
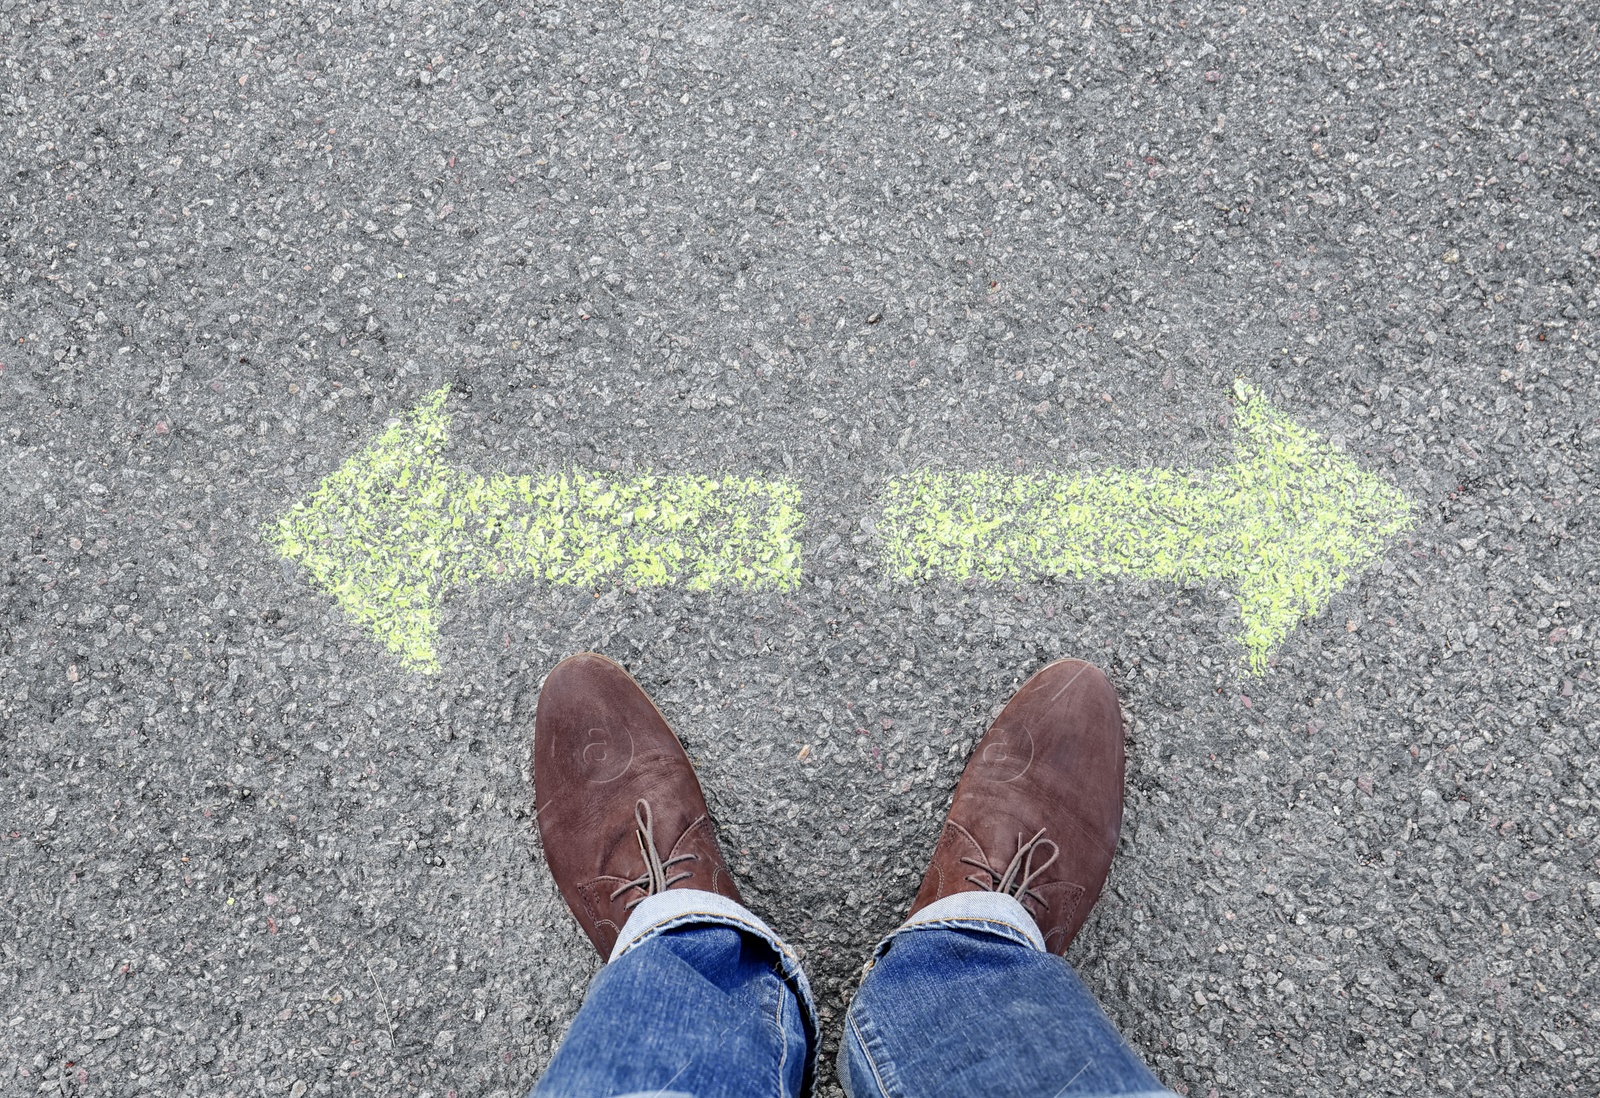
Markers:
654,879
1021,873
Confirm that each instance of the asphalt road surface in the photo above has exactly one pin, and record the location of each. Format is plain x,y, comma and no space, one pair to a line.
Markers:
246,849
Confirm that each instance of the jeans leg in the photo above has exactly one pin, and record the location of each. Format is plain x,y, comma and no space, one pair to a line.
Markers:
962,1006
691,1005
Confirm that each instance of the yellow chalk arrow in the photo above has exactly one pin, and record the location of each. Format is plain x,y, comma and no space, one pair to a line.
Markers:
1288,522
389,531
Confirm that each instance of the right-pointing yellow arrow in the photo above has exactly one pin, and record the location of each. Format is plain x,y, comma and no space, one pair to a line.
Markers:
1289,521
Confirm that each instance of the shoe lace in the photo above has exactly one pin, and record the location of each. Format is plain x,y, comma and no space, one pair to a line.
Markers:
1020,874
654,879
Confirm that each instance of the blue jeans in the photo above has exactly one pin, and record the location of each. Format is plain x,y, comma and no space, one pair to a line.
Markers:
700,999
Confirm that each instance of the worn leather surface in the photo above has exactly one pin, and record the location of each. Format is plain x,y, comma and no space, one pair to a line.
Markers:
1052,759
600,746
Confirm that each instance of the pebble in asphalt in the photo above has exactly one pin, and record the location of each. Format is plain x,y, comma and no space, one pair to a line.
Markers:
244,852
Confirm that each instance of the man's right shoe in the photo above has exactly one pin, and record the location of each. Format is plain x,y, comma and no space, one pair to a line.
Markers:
616,799
1038,809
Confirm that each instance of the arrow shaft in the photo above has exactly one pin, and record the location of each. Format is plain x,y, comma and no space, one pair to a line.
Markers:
1148,524
579,528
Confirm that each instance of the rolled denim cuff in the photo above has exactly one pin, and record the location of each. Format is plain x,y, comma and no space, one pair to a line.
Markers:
988,912
684,906
689,907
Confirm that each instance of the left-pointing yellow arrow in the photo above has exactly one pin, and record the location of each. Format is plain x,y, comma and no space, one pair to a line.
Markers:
395,526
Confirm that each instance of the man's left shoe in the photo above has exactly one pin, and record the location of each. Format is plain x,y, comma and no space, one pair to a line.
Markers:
1038,809
617,802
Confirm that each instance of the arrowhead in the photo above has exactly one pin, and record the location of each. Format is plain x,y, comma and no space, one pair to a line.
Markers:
377,535
1308,518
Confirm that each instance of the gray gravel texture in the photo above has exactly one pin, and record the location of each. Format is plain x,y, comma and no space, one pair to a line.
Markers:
243,853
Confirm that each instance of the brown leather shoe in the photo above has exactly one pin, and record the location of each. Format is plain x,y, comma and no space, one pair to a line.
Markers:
1039,807
620,811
